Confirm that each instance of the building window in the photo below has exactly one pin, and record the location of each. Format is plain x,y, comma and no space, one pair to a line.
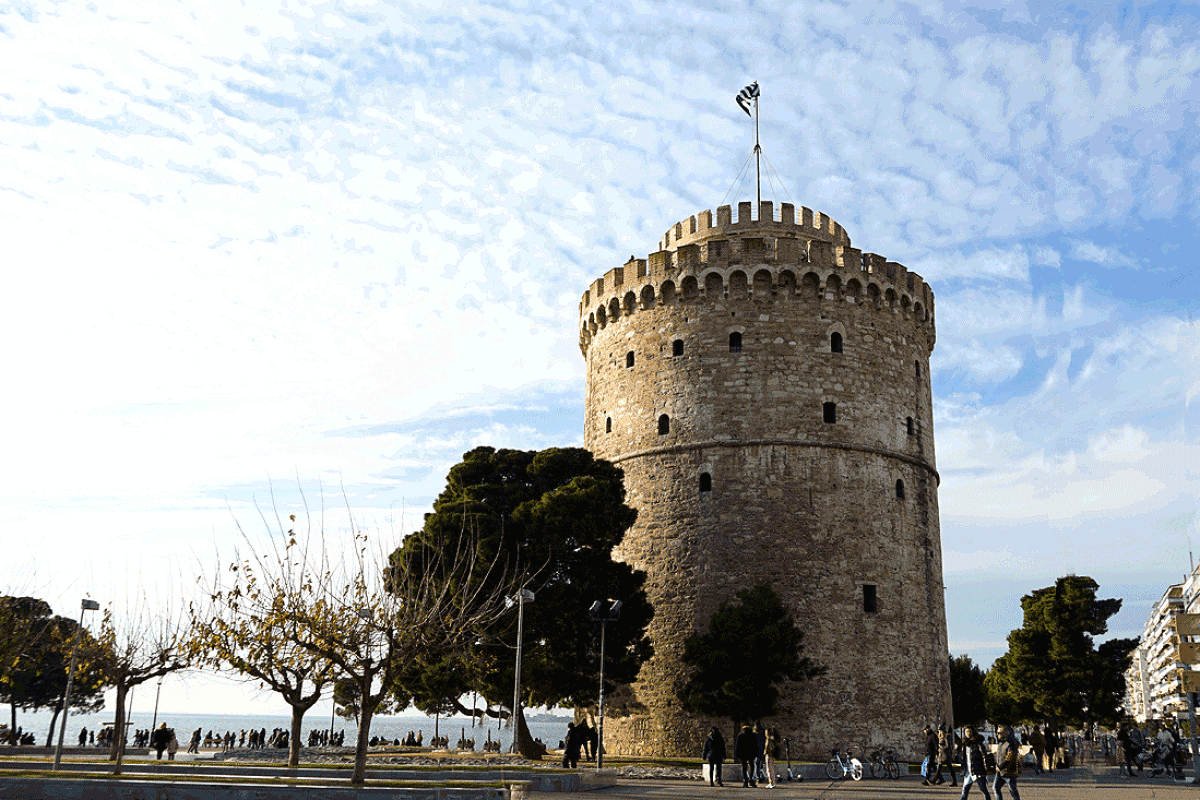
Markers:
677,347
911,427
664,425
608,425
835,342
917,364
899,490
870,598
830,412
705,482
629,359
735,342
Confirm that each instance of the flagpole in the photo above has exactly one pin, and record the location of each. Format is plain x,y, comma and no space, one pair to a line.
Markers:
757,159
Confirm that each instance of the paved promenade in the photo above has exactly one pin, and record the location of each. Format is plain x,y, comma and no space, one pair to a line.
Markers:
1091,782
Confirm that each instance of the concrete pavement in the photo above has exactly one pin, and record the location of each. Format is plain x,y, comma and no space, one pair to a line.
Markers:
1092,781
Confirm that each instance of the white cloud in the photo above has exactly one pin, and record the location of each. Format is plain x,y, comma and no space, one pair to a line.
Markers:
232,230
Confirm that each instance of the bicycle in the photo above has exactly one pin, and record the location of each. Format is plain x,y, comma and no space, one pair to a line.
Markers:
840,768
882,764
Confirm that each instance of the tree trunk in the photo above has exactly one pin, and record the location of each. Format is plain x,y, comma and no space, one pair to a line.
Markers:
12,730
359,776
53,724
294,741
117,749
525,745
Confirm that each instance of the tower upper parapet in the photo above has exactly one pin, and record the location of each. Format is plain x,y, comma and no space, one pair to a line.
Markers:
809,225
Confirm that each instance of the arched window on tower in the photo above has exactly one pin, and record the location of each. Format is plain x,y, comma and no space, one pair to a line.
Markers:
899,490
608,425
677,347
835,342
735,342
664,425
629,359
911,427
705,482
830,412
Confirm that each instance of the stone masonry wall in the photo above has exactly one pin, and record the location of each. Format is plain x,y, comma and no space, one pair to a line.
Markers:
748,482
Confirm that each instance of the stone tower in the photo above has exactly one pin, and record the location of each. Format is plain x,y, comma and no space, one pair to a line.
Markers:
765,387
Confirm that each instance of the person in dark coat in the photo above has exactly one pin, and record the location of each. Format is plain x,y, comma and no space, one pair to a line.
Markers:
1008,763
571,747
745,752
945,756
585,740
160,739
931,755
974,767
714,755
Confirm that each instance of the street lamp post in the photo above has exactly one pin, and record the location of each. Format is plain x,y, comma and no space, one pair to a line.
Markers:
157,692
524,596
604,612
87,605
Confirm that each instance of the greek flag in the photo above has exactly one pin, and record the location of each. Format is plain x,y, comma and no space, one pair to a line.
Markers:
746,95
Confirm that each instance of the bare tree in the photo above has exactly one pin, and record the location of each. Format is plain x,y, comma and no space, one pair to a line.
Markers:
244,625
436,606
136,647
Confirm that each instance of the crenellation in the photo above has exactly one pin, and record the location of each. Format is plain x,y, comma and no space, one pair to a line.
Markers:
744,217
660,263
759,262
851,260
873,264
822,254
614,277
787,214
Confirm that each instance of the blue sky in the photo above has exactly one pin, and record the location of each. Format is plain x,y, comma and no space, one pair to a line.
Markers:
342,243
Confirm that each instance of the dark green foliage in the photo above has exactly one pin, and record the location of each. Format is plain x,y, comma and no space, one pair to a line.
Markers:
966,687
548,521
36,677
1052,669
736,667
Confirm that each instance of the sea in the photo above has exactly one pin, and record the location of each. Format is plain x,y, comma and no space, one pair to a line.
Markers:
550,729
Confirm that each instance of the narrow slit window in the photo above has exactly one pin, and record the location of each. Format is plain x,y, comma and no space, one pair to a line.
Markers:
608,425
910,426
917,364
899,490
830,412
705,482
870,597
835,342
677,347
664,425
629,359
735,342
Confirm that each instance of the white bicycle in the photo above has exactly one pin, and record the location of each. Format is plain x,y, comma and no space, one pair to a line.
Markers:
842,768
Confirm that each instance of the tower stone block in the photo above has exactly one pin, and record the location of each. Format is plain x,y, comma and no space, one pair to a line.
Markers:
765,387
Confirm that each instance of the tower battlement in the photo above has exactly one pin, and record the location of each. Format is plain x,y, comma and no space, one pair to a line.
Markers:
758,259
810,224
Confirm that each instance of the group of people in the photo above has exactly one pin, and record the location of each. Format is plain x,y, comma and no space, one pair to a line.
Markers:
581,738
978,761
756,750
324,738
1162,745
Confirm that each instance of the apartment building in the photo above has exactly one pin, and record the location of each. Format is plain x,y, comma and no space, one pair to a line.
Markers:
1152,684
